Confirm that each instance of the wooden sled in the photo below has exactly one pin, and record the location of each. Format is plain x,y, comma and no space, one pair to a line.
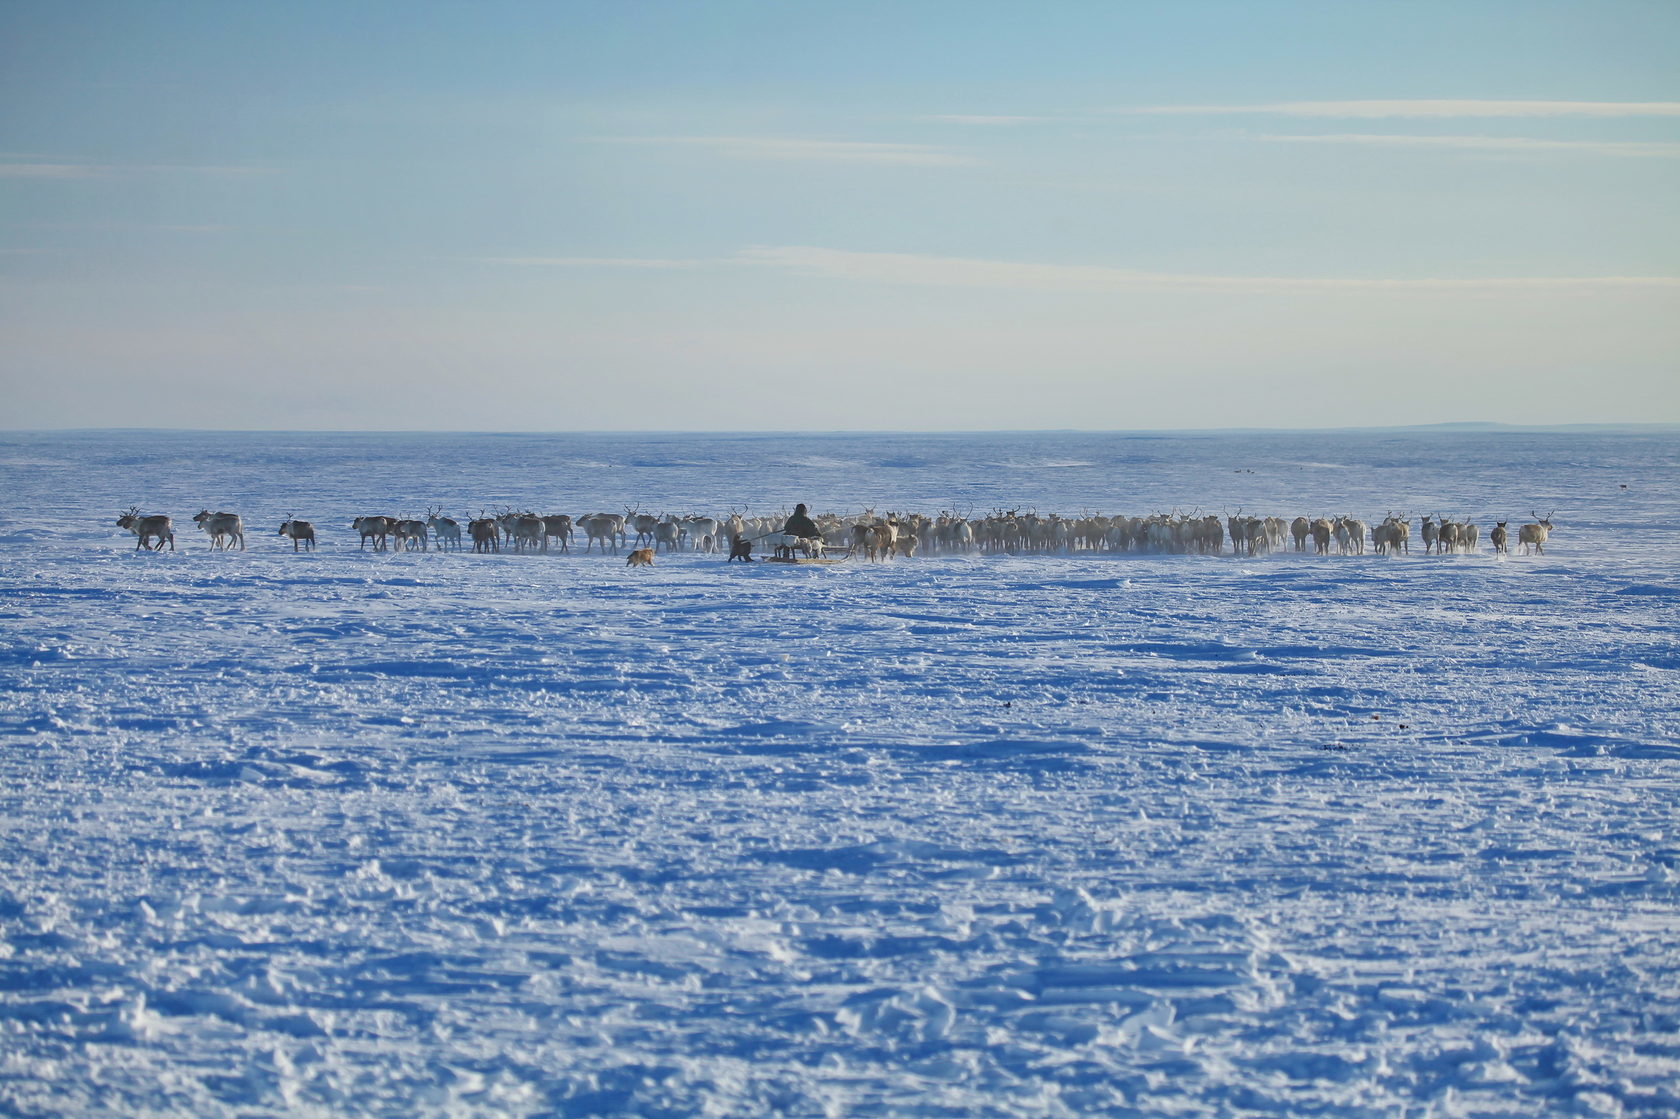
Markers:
791,549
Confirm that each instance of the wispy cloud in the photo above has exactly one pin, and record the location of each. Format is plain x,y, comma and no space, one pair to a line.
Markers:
634,263
1509,144
1434,109
980,120
44,169
122,227
49,171
938,271
919,270
791,149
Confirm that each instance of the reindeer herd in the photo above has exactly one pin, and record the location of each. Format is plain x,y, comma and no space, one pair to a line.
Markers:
871,537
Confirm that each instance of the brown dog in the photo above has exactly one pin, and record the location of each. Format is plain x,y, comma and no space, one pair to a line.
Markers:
641,557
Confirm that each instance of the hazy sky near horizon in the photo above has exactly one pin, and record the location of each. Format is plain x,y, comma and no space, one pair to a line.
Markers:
768,215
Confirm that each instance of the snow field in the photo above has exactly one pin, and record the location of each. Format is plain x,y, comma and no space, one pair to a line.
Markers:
422,835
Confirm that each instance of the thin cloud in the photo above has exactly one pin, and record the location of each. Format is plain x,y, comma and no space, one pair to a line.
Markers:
784,149
123,227
1373,110
983,121
40,169
958,272
49,171
634,263
918,270
1510,144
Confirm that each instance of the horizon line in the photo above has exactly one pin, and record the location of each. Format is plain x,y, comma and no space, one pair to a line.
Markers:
1440,426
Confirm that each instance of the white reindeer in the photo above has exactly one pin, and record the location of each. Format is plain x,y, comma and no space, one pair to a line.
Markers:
704,532
445,530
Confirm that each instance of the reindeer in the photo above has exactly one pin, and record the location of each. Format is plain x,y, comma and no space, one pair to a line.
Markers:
1322,532
1344,536
299,532
1210,535
406,533
157,526
603,527
643,523
486,536
1431,533
1535,535
1389,537
1299,528
1357,531
1238,528
375,529
1498,538
506,521
559,527
1401,531
1382,538
224,529
883,540
526,530
445,530
703,531
953,534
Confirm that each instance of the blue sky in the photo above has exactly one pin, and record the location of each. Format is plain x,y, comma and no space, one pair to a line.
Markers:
599,216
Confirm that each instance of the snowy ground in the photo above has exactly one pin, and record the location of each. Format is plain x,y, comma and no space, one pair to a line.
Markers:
1064,835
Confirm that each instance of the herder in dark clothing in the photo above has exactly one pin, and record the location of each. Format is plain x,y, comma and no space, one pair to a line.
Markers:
801,525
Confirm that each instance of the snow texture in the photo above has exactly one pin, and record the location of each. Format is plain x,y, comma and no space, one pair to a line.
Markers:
419,834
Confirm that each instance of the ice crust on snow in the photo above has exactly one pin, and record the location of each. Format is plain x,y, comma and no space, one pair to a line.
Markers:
422,834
